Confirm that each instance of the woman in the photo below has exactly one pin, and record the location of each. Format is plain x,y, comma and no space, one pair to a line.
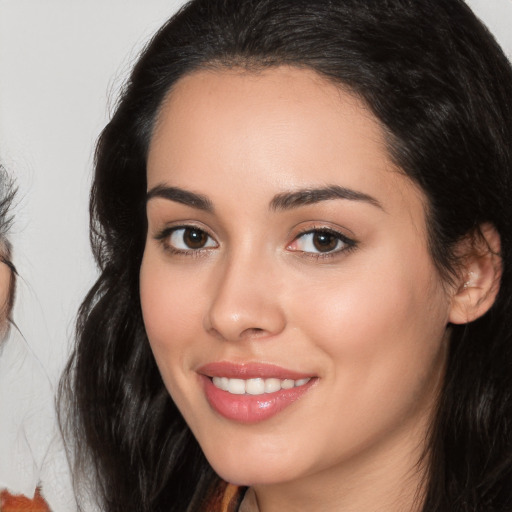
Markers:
19,460
301,214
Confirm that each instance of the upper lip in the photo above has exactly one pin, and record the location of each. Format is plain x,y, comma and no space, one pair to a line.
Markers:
250,371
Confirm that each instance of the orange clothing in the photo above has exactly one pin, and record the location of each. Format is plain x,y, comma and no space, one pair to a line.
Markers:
225,498
229,501
231,498
11,503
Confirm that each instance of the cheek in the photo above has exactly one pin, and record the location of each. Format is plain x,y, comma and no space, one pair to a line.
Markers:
171,308
364,315
383,334
384,301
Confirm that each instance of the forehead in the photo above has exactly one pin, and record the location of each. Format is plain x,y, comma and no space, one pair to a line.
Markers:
280,128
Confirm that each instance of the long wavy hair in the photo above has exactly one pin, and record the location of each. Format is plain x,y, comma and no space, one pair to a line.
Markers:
441,88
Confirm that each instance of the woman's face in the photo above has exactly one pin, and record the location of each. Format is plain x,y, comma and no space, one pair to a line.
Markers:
289,298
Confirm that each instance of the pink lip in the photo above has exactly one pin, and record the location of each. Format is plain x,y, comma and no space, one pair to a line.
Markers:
251,408
249,371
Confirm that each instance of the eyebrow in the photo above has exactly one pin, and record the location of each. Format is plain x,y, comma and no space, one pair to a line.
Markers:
284,201
182,196
304,197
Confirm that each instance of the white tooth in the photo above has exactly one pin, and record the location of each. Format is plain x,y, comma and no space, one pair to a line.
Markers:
272,385
221,383
287,384
255,386
236,386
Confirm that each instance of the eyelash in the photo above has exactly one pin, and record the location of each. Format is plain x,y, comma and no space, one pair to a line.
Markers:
165,235
348,243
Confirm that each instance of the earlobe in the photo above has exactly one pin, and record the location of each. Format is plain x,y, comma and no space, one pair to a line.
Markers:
480,274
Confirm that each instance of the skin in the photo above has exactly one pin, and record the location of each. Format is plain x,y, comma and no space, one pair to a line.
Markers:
5,283
368,322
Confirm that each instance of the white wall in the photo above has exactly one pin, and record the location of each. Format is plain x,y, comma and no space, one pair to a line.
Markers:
61,63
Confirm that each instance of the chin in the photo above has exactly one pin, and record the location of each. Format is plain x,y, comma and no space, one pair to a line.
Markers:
255,471
249,477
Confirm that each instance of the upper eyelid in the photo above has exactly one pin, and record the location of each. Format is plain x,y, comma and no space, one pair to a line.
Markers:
321,230
170,227
340,236
344,233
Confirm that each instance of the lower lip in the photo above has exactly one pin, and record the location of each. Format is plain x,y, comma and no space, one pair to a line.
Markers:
251,408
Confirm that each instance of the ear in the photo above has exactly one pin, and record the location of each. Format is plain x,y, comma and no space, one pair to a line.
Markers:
479,276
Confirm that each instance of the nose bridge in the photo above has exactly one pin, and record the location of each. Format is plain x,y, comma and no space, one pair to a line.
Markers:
244,302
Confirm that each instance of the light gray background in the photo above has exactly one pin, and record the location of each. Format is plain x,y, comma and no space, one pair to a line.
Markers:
61,65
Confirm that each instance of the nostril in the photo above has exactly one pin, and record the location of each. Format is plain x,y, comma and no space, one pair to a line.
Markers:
253,332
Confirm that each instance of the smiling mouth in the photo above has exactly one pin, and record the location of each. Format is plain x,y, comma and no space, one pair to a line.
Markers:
252,392
256,386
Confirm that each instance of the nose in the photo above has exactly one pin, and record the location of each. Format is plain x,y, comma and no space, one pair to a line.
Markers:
245,302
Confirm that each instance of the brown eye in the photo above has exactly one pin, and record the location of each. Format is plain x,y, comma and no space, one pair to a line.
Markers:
194,238
324,241
321,241
190,239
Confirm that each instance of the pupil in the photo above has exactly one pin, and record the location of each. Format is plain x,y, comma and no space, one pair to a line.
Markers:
194,238
324,241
